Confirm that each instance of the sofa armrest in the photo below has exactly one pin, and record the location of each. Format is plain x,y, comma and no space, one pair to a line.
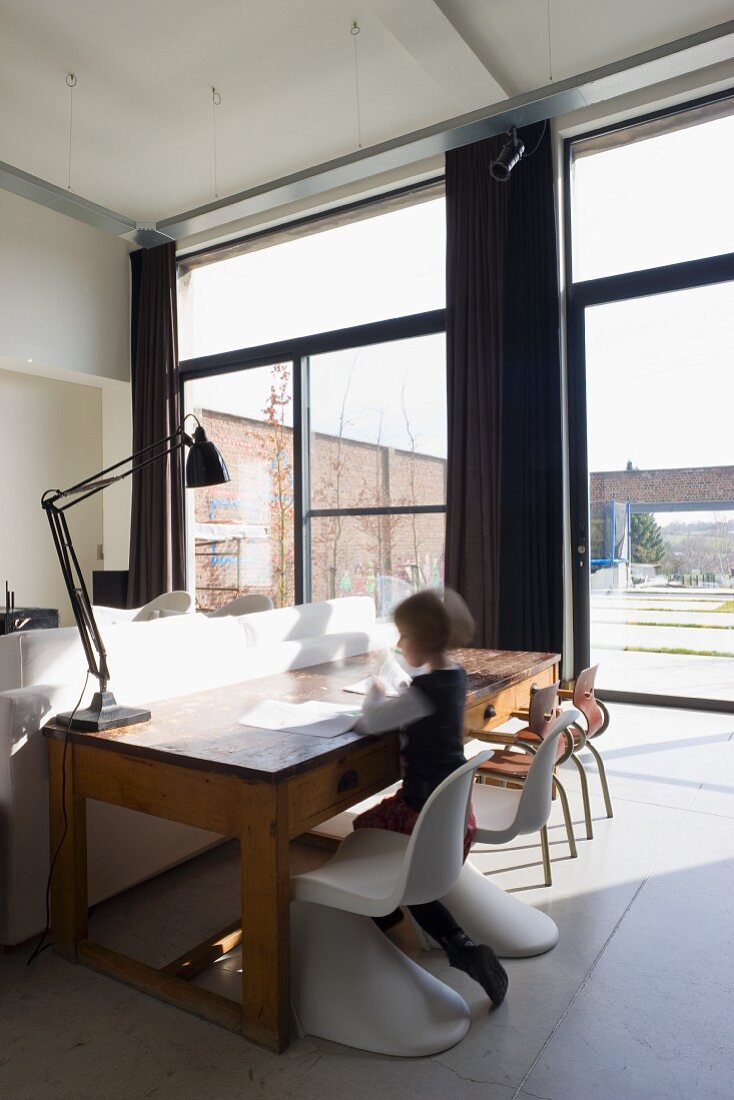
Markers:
23,807
125,847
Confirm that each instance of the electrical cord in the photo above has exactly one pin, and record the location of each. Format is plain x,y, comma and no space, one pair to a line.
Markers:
537,144
40,946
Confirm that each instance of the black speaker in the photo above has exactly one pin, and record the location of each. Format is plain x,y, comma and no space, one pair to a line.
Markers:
109,587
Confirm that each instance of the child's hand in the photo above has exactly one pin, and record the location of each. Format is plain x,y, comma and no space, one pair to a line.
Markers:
375,695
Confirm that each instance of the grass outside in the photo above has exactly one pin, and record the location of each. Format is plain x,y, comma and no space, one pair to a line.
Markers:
688,626
666,633
678,650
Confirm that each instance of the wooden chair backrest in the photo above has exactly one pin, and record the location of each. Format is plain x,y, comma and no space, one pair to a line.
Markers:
585,700
543,707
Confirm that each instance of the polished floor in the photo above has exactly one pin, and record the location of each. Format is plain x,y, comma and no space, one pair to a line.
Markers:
636,1001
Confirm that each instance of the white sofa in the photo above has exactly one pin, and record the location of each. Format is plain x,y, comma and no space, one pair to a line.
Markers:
42,672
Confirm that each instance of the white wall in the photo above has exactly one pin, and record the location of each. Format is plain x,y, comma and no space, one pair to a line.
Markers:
51,438
64,392
64,294
117,433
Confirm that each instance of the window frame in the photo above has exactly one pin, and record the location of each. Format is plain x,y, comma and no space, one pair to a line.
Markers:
604,290
298,352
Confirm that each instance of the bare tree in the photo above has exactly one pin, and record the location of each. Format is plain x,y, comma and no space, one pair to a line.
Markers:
281,506
723,545
413,501
338,466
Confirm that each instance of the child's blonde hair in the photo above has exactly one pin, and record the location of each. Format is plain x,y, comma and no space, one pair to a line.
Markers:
436,622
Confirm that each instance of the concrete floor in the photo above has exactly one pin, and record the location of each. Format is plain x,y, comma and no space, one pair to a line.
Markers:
636,1000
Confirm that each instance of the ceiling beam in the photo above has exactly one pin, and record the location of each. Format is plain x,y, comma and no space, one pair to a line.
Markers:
683,56
64,201
432,41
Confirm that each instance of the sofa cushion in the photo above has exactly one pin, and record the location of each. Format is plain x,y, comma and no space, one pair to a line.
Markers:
312,620
149,660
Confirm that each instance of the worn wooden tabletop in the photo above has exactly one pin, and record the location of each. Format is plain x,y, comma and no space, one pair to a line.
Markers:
203,731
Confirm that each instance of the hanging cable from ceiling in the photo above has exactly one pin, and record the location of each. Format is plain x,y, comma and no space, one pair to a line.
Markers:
71,85
550,43
216,102
354,31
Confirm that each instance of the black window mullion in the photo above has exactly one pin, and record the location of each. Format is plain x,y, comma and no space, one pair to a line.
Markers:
302,457
358,336
686,275
299,475
388,510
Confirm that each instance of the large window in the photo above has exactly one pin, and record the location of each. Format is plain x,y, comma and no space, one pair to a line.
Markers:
332,418
651,362
369,269
377,456
241,534
654,193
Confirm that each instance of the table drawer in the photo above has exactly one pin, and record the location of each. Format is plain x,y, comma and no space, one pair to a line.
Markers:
505,702
341,783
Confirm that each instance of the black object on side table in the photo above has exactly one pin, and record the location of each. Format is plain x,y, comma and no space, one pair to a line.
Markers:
28,618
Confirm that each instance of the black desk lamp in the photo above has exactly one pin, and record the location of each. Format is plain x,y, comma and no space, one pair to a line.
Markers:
204,466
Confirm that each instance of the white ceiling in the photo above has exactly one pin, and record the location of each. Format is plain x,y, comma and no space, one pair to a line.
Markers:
142,124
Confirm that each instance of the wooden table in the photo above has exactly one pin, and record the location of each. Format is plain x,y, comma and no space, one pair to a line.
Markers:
194,763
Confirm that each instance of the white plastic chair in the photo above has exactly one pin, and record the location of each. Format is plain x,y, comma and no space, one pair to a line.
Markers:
484,911
243,605
350,983
172,603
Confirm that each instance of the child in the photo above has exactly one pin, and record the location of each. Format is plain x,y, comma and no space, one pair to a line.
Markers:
430,715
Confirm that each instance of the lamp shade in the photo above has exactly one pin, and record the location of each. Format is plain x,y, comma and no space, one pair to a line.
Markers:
204,464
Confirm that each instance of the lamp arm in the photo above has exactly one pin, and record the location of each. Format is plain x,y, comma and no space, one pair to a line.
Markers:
92,642
94,648
97,482
101,476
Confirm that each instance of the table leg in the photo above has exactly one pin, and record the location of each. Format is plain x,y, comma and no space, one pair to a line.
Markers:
265,916
69,881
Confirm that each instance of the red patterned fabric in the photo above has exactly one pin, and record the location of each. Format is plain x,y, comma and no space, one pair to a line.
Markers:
395,815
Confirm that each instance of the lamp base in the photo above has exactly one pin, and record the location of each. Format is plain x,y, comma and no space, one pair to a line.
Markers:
104,713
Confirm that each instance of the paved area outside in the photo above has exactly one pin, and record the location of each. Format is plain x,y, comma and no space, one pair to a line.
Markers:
657,620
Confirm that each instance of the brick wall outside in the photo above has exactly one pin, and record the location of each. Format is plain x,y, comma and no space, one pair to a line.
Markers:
350,555
704,485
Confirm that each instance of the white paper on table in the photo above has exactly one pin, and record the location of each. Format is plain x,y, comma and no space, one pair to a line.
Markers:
314,719
393,677
362,687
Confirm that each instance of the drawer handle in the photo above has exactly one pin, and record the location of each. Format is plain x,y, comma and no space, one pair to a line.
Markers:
489,712
348,782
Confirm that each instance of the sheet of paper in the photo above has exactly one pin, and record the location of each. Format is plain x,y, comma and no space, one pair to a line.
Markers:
363,686
393,677
314,719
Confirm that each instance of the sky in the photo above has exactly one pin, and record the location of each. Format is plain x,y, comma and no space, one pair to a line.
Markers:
660,371
383,267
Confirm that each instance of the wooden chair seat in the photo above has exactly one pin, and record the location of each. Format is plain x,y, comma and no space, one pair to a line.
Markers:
516,764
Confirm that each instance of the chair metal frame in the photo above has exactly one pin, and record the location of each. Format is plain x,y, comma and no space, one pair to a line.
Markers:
540,717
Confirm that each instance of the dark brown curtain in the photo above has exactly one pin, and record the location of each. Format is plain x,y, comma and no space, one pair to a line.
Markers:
157,553
476,212
504,527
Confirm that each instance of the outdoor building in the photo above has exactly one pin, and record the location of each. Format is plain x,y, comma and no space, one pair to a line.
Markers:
244,530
